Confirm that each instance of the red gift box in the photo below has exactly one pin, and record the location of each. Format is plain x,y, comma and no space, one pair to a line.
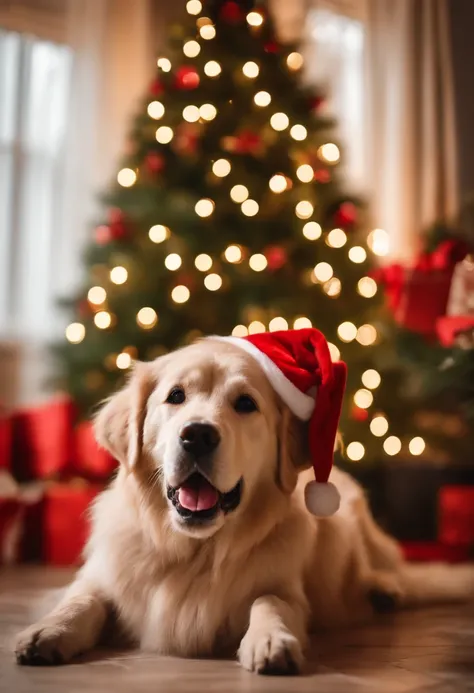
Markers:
423,300
433,552
450,327
91,460
456,516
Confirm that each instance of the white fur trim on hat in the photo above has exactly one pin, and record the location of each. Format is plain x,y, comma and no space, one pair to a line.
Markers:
322,500
301,405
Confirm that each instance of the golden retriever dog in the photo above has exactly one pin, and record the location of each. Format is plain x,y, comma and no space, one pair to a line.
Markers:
202,543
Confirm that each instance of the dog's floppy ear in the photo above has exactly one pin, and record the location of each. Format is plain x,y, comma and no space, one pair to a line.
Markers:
293,450
119,424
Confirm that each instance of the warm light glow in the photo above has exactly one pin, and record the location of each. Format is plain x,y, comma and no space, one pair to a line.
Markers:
239,193
164,134
323,271
336,238
147,318
416,445
304,209
298,132
191,114
173,262
256,327
355,451
233,254
164,64
366,335
180,294
262,98
191,49
371,379
305,173
96,295
158,233
379,426
194,6
258,262
367,287
302,323
357,254
279,121
363,398
221,168
207,32
329,153
249,208
295,61
240,331
277,324
251,69
156,110
392,445
102,319
254,19
203,262
118,275
126,177
278,183
334,352
347,331
75,332
204,207
213,282
208,111
212,68
124,361
312,231
333,287
379,242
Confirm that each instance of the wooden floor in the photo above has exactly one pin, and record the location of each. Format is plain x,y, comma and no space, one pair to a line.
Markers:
430,651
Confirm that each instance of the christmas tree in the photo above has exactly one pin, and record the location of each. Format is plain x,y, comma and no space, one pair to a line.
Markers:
228,216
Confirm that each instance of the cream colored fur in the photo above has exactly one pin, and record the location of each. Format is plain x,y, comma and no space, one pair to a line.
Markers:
257,580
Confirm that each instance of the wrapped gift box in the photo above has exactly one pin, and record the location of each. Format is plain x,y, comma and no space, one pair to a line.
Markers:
456,516
434,552
91,460
423,300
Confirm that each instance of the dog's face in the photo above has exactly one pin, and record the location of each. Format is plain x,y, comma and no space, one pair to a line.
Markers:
210,427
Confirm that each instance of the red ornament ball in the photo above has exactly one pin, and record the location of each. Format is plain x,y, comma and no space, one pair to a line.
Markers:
346,215
116,215
359,414
276,257
187,78
102,234
154,163
271,47
156,87
117,226
231,12
322,176
247,142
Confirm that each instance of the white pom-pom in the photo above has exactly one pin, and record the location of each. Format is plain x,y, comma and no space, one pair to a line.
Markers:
322,499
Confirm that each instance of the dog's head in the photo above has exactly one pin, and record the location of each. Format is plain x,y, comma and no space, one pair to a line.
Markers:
204,427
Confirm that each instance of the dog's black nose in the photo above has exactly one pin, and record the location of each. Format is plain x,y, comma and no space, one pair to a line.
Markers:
199,438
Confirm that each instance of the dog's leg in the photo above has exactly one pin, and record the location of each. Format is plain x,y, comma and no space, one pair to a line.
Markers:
274,640
73,627
436,584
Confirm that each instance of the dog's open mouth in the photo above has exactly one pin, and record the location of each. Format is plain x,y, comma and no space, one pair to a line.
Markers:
197,500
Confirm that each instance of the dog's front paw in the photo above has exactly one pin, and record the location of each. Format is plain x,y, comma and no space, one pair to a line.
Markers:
271,653
44,645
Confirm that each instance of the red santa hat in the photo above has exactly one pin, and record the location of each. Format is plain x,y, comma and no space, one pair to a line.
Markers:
298,365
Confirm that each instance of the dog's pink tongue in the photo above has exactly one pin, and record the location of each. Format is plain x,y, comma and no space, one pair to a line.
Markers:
198,495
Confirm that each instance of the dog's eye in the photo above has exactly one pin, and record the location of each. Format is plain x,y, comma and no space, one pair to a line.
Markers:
176,396
245,405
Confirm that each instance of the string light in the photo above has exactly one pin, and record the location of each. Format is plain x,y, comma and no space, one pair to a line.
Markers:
366,335
207,32
258,262
371,379
221,168
323,271
203,262
302,323
298,132
212,68
304,209
336,238
204,207
251,69
278,324
164,64
333,287
305,173
233,253
295,61
75,332
347,331
334,352
118,275
124,361
363,398
256,327
416,445
355,451
156,110
173,262
96,295
279,121
208,111
249,208
379,242
191,49
126,177
379,426
357,254
147,318
254,19
180,294
213,282
240,331
239,193
367,287
191,114
312,231
392,445
329,153
193,7
164,134
262,98
103,319
158,233
278,183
